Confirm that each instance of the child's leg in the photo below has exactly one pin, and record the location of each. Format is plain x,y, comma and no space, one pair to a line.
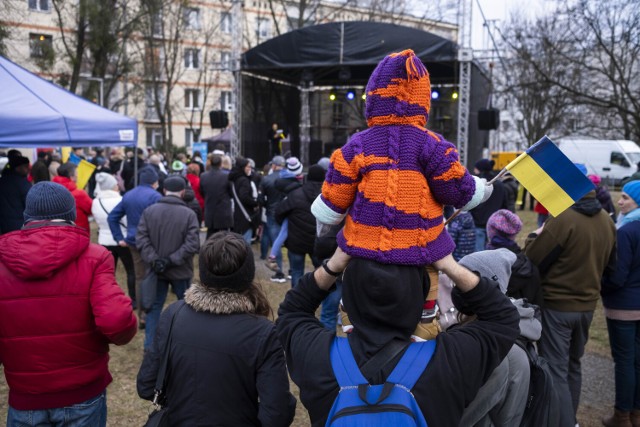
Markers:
282,237
276,247
428,328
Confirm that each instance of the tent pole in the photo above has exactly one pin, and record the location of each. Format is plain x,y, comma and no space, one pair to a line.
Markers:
135,164
305,124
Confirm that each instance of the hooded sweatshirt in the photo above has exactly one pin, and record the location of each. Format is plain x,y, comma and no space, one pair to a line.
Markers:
392,180
60,307
572,252
463,360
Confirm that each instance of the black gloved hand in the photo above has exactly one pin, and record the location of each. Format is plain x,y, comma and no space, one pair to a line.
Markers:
160,265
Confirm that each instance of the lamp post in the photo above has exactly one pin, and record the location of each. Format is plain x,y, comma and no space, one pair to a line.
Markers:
101,81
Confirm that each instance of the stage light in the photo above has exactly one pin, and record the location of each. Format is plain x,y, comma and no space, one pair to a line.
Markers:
364,96
332,96
454,95
435,94
351,94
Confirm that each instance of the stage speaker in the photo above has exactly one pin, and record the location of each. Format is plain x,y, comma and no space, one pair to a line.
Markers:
219,119
488,119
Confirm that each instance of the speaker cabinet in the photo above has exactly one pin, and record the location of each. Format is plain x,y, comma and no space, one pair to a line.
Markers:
489,119
219,119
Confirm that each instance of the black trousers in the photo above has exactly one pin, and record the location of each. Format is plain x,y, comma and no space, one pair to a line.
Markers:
124,255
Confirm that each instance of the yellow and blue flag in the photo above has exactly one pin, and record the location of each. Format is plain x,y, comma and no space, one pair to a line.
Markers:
550,176
85,170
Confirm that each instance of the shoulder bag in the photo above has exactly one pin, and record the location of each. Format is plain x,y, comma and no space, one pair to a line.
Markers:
255,218
159,417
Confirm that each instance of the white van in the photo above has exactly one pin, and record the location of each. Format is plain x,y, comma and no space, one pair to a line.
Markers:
613,160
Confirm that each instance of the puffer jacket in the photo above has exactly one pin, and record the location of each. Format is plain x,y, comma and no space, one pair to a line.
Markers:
102,206
59,311
463,232
83,201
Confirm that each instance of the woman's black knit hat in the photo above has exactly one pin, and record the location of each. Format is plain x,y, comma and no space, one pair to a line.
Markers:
237,281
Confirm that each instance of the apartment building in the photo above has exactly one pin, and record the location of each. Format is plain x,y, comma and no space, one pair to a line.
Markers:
167,63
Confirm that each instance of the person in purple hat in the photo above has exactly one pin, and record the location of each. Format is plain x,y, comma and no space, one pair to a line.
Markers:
502,228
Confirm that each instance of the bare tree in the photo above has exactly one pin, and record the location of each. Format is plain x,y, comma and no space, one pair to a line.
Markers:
178,51
595,46
96,46
542,105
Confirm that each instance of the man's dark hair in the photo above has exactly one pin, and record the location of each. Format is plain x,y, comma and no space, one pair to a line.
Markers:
216,161
66,170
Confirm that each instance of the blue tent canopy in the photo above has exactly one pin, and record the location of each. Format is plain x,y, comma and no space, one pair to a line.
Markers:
37,113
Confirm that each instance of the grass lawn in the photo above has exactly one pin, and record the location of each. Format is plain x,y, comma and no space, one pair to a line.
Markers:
126,409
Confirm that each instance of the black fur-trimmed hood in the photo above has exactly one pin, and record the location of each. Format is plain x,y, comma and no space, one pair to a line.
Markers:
210,300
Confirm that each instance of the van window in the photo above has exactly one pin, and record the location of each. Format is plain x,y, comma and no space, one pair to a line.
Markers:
635,157
617,158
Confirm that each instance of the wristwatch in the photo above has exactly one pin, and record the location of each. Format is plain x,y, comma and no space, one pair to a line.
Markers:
326,268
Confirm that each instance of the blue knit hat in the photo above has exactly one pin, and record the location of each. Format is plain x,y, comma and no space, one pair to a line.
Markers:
147,175
49,200
633,190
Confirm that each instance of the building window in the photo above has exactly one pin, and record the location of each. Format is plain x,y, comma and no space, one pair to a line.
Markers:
192,58
192,99
263,28
191,136
225,22
156,24
150,96
191,17
225,60
40,45
226,101
41,5
154,137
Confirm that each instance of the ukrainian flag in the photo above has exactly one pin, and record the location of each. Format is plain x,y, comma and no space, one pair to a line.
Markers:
85,170
550,176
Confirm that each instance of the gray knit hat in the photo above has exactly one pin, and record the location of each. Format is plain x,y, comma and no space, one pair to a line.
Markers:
494,264
49,200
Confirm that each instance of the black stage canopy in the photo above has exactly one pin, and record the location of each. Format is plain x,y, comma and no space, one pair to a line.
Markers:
346,52
343,54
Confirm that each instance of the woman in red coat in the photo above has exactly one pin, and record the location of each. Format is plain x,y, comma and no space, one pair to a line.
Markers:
67,176
193,175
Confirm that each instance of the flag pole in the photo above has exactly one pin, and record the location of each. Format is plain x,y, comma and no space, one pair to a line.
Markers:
500,175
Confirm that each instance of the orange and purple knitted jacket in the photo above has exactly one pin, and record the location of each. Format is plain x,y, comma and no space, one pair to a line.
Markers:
392,180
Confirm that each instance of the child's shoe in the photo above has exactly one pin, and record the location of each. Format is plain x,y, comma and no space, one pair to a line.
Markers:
425,332
428,328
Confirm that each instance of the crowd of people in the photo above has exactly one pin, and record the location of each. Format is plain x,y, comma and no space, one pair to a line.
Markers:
438,308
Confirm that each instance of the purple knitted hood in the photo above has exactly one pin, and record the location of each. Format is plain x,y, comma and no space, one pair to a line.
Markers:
399,91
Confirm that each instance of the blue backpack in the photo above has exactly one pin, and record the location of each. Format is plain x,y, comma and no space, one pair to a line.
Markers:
360,404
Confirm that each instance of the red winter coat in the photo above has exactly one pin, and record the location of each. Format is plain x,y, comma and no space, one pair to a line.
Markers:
60,308
194,180
83,201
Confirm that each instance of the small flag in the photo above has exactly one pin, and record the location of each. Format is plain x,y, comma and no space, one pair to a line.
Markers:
520,197
66,151
85,170
550,176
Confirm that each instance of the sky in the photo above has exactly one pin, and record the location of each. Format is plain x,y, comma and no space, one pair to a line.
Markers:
501,10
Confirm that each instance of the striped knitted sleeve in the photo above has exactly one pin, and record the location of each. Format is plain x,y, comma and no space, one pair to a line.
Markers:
340,186
449,181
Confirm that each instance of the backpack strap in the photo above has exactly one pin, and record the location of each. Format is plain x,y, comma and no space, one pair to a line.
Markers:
412,364
344,365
